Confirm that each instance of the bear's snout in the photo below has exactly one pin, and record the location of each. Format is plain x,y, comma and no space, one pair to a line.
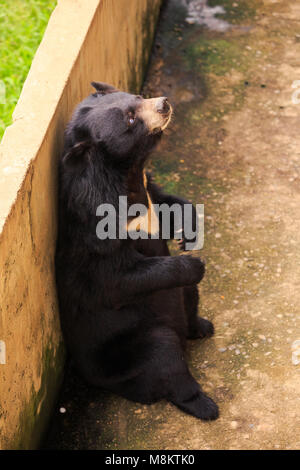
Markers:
156,113
163,105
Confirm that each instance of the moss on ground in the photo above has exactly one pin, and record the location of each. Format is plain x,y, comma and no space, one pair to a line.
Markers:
237,12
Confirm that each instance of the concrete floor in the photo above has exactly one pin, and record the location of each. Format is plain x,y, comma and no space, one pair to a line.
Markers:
234,145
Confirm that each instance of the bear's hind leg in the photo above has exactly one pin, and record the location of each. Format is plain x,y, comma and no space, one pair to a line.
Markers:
166,376
198,327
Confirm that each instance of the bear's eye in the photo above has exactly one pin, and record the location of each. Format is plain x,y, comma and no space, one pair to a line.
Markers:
131,118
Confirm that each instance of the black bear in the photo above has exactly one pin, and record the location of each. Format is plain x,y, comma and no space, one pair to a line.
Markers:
126,305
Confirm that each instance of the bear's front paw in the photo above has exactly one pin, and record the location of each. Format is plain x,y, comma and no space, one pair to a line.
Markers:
183,243
197,270
201,328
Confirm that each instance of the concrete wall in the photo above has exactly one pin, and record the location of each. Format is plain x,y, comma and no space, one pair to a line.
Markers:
105,40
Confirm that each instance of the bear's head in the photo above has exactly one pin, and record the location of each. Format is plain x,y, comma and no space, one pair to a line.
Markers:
106,144
122,125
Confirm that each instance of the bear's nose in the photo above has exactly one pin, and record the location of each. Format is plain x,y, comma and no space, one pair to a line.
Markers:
163,105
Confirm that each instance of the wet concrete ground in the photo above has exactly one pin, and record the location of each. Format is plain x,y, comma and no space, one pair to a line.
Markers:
234,145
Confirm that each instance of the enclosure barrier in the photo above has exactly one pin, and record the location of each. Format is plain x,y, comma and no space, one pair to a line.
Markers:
104,40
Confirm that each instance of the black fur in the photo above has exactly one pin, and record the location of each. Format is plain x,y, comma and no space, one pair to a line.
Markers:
126,306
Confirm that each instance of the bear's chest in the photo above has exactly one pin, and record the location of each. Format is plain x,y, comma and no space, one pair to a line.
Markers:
143,216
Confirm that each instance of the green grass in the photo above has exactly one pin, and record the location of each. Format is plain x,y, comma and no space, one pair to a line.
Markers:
22,25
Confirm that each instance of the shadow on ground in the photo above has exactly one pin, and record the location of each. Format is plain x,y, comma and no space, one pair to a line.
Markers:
234,146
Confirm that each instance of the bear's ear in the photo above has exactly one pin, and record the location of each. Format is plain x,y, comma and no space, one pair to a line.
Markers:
104,88
78,155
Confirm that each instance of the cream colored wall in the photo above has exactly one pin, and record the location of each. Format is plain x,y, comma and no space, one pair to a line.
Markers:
105,40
